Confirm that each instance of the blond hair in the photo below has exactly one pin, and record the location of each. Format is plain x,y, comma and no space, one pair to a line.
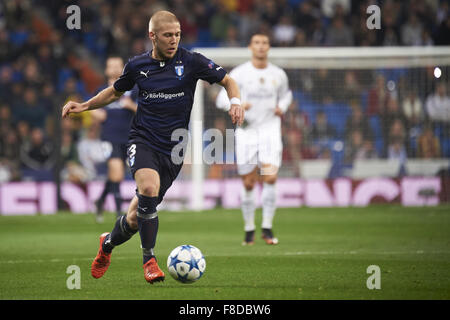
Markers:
159,18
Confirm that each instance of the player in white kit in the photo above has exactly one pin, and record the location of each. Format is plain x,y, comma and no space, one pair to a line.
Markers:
265,96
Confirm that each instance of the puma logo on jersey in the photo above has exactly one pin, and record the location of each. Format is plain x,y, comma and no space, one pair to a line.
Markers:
218,68
145,73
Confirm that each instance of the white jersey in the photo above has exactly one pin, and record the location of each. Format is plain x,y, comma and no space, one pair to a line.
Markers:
258,141
264,89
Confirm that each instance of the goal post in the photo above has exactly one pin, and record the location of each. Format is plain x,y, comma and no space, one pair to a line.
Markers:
335,82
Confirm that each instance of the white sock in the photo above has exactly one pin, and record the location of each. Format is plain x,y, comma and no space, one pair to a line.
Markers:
268,198
248,209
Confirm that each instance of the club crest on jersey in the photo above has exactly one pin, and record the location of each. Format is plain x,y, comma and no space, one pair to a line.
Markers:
179,70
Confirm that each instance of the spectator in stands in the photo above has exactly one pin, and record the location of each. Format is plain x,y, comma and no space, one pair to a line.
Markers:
305,16
284,32
37,154
397,151
397,131
23,132
300,39
295,129
322,87
392,113
339,34
269,12
72,170
31,110
396,139
357,121
378,96
68,148
220,22
321,134
413,112
318,33
390,35
9,146
32,76
441,36
358,148
331,7
428,145
91,151
412,31
351,87
231,39
248,25
6,120
438,104
412,108
321,129
6,79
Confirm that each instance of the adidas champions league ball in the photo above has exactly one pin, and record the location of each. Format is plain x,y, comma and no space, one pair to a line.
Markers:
186,264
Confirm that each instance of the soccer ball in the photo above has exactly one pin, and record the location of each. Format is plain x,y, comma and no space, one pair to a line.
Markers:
186,264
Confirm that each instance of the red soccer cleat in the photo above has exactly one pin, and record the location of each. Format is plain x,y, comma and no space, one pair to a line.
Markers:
152,272
101,261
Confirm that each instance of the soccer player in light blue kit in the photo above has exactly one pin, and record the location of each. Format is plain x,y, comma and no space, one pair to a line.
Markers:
166,77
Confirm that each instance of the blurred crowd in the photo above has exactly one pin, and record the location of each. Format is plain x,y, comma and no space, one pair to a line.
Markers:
38,73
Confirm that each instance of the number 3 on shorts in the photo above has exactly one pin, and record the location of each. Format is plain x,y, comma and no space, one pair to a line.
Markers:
131,154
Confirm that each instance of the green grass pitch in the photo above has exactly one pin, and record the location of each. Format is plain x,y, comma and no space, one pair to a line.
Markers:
323,254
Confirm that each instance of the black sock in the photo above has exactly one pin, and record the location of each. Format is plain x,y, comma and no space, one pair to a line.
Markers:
121,233
106,190
115,189
148,223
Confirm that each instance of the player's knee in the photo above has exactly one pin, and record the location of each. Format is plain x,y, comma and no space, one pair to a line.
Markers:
270,179
249,183
149,189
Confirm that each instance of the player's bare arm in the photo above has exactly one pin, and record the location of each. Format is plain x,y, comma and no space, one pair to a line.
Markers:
103,98
236,111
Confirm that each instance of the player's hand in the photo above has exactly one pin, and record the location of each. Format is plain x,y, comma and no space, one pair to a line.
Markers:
246,105
73,107
237,114
278,112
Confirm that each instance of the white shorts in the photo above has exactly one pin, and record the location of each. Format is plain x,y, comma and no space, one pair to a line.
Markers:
255,147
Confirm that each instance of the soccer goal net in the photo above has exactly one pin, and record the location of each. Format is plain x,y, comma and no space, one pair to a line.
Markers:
357,113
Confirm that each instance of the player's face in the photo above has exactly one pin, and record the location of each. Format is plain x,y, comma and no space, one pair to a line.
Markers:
259,45
166,39
114,67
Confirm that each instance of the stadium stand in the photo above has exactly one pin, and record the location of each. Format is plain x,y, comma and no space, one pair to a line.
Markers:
43,63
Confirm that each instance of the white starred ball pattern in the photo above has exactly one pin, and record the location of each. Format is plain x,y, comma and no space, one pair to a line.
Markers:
186,263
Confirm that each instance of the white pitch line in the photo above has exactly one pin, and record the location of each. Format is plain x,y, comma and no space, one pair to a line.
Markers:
297,253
